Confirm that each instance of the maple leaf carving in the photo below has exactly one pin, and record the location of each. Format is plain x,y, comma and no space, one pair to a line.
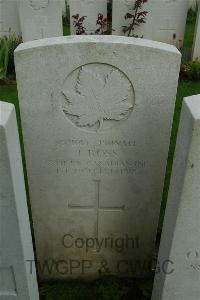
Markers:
96,98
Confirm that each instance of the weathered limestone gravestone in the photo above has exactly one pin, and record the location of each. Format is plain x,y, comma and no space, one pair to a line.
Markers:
192,4
196,45
172,20
63,3
9,18
120,9
165,21
17,279
90,9
180,243
40,19
96,121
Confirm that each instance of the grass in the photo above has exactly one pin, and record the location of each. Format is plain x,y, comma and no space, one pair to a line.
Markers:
189,35
66,29
107,288
8,93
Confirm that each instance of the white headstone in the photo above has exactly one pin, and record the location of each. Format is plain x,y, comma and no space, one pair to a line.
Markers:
63,3
196,45
179,255
9,18
40,19
192,4
96,115
119,11
165,21
17,274
88,9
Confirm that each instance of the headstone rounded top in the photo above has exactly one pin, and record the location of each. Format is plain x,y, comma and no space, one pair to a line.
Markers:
97,39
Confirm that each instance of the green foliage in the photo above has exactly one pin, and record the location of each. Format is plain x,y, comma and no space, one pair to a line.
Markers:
190,71
189,35
7,47
190,29
136,17
106,288
192,14
110,288
66,17
66,291
4,55
14,43
66,30
66,22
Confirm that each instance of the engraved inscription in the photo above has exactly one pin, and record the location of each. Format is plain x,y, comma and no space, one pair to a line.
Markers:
98,93
7,282
38,4
98,167
100,157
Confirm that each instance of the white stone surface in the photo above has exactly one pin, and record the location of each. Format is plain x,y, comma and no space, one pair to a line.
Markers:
96,116
63,3
17,280
40,19
90,9
196,45
180,243
165,21
9,18
192,4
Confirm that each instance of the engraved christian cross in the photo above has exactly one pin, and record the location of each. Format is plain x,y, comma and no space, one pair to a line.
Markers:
97,207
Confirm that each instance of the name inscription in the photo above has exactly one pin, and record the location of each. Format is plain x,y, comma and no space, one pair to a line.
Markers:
102,157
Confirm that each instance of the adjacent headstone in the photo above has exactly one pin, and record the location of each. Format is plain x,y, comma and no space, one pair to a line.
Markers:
63,3
178,273
40,19
165,21
196,45
119,11
192,4
96,116
9,18
89,9
17,271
